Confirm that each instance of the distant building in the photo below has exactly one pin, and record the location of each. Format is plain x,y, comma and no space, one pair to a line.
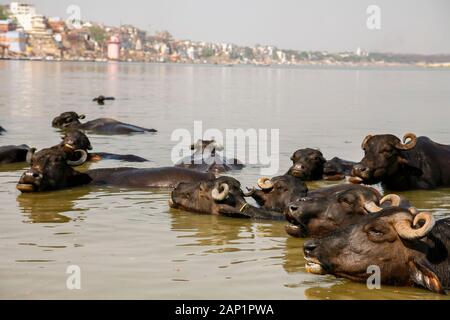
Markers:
24,14
7,25
39,24
15,41
56,24
114,48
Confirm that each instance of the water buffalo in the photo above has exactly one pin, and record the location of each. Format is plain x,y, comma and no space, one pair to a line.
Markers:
277,193
13,154
205,158
222,196
71,120
327,209
101,99
310,164
51,169
77,140
417,163
408,248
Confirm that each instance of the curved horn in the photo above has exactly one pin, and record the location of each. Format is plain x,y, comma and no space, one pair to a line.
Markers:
393,198
265,183
411,144
80,161
372,207
413,211
30,155
406,231
366,139
250,192
219,196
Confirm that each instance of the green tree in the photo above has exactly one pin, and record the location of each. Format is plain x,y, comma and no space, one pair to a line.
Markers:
3,13
207,52
98,34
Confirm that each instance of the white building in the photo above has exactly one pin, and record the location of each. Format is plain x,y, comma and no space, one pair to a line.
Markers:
38,23
24,14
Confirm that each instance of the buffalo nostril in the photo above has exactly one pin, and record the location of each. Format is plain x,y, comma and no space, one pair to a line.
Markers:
293,208
309,246
35,175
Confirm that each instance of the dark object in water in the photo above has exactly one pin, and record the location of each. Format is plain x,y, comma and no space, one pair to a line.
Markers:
101,99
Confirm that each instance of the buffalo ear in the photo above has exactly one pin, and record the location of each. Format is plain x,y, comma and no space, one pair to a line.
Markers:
424,276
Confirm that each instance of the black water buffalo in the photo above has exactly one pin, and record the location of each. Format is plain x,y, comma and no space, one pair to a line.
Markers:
408,248
71,120
101,99
310,164
205,158
327,209
337,169
2,130
222,196
77,140
277,193
51,169
13,154
417,163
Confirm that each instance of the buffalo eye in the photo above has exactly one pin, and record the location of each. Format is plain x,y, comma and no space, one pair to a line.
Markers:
388,153
379,233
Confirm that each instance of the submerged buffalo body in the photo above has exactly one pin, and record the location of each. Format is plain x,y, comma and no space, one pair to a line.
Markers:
51,169
71,120
77,140
13,154
222,196
417,163
409,248
337,169
205,158
310,164
277,193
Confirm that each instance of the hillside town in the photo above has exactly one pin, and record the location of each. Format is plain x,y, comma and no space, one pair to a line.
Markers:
27,34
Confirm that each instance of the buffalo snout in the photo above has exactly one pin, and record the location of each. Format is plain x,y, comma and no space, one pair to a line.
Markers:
310,246
359,170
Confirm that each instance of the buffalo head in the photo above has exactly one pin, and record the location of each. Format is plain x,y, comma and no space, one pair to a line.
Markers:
307,164
220,196
384,157
76,140
51,169
328,209
276,193
399,242
67,119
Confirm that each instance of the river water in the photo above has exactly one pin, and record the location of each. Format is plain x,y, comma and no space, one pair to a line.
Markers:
129,243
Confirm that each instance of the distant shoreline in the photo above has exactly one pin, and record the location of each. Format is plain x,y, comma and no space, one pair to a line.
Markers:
274,65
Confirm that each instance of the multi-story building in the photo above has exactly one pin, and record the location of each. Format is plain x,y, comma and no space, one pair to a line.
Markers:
24,14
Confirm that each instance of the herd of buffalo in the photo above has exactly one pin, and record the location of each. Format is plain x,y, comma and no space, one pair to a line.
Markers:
351,226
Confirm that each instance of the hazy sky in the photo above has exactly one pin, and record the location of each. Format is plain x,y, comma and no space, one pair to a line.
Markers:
413,26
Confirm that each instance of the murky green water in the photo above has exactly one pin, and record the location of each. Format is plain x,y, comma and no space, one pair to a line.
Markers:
128,243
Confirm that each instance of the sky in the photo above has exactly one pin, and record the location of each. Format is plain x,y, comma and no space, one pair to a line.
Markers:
406,26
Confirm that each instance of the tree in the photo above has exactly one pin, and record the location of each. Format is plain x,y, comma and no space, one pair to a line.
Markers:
3,13
98,34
